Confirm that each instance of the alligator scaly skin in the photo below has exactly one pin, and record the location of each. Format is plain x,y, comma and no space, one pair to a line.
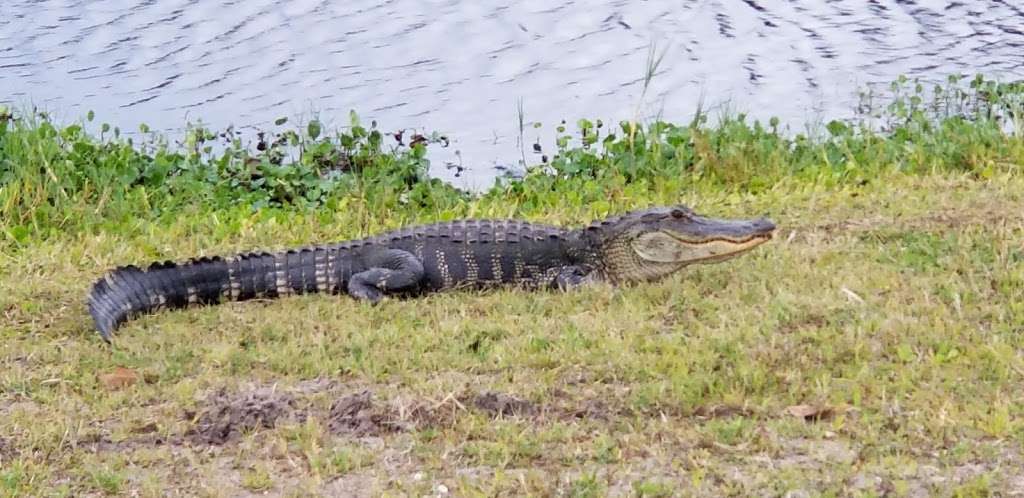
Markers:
408,261
639,246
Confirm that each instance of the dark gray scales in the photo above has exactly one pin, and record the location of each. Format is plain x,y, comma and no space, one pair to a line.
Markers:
638,246
406,262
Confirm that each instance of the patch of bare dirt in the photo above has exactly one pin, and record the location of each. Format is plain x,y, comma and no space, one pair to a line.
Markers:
357,414
722,411
590,409
501,404
7,450
360,415
596,402
809,452
227,416
224,415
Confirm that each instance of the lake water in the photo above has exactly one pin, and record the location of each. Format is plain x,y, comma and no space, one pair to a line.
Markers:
462,66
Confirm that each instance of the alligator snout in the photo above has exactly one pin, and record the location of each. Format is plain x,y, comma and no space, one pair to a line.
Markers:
763,226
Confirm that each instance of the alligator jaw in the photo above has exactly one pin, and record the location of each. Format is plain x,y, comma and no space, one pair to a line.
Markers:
713,251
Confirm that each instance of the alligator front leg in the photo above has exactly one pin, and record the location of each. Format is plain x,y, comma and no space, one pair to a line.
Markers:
572,277
390,271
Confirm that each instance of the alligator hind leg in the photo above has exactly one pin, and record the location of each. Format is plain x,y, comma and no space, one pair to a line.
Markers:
390,271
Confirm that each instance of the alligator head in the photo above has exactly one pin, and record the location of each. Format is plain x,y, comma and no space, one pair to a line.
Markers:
650,244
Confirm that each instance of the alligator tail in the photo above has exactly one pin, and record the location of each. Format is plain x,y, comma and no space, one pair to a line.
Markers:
129,291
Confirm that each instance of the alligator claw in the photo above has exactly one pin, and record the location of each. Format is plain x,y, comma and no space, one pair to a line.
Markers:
570,277
366,293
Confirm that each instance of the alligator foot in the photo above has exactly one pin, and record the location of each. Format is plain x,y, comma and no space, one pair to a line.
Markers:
364,292
571,277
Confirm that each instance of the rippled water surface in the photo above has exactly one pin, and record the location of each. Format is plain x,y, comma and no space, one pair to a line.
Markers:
461,66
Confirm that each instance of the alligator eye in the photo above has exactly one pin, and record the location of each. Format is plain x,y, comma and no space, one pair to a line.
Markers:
678,214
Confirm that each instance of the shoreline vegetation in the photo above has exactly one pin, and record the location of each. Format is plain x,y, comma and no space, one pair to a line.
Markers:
874,348
57,178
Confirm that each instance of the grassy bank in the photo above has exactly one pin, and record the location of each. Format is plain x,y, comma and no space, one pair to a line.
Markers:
873,348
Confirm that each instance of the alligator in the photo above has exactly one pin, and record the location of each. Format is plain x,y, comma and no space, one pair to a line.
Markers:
638,246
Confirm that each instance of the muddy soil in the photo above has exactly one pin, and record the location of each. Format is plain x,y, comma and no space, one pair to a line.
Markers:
7,451
226,416
358,415
501,404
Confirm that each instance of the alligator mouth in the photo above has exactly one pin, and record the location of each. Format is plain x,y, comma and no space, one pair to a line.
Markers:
740,249
764,237
734,246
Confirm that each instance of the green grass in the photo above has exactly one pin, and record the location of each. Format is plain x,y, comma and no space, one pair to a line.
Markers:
921,369
892,300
